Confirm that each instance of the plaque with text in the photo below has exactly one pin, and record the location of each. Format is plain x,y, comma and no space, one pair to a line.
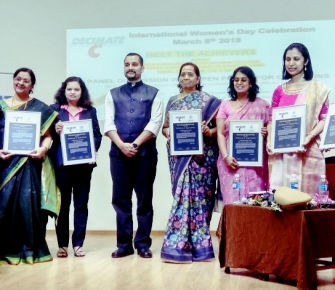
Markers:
22,131
246,142
185,132
288,129
77,142
328,134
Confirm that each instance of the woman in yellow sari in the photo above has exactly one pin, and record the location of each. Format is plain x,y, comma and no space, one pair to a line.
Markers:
22,219
309,163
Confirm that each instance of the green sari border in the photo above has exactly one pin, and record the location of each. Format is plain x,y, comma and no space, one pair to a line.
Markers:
47,124
44,128
15,169
28,260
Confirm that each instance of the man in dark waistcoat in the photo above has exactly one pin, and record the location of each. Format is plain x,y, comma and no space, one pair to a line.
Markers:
133,117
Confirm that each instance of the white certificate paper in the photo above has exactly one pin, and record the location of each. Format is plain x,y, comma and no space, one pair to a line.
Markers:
246,142
328,134
288,128
185,132
77,142
22,131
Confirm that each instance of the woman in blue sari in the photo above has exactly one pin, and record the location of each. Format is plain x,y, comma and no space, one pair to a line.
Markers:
187,237
24,202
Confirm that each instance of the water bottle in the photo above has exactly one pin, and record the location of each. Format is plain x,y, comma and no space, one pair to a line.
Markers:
323,189
236,188
294,184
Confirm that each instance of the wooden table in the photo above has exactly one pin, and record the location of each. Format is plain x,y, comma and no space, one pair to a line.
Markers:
285,244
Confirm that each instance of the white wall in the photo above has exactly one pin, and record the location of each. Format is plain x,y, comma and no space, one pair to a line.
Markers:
33,34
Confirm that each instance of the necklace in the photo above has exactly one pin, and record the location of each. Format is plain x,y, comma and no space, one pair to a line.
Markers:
242,103
299,87
20,104
183,94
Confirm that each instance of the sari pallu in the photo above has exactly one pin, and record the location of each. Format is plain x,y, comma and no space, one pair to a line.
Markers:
22,220
309,165
187,237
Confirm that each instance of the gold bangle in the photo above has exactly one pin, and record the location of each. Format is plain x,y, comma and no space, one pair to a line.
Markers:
224,157
46,148
311,134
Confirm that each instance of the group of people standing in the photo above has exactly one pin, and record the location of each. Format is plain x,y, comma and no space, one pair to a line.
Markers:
133,118
37,185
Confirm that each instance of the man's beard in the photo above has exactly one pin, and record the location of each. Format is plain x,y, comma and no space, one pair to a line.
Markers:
132,78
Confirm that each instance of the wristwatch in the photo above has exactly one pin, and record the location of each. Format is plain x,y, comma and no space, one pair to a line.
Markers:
135,146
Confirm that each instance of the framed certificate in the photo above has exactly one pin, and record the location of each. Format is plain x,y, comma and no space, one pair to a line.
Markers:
22,131
288,128
185,132
246,142
77,142
328,134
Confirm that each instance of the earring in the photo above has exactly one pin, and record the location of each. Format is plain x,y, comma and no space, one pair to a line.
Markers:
305,68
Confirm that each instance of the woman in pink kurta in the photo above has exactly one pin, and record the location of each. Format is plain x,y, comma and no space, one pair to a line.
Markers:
243,105
307,164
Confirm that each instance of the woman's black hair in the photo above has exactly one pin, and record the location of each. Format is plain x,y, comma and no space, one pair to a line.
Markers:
308,71
84,101
254,88
196,71
30,72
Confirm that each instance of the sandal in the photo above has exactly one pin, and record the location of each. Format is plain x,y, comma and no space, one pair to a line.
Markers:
62,252
78,252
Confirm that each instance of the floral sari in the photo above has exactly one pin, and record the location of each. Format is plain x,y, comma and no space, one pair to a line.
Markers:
22,220
187,237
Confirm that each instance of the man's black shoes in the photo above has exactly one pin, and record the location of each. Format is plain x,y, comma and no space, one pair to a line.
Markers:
144,252
120,253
